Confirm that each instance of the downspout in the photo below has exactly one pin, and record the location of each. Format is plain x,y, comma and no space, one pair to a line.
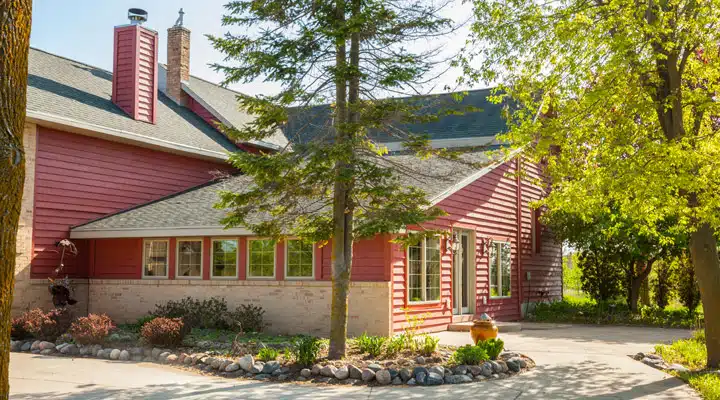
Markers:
519,234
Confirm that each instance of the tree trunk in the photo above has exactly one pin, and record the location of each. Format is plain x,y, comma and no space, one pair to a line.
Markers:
703,249
15,18
639,274
342,210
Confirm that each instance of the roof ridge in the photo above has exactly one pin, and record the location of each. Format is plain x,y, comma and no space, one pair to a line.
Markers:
70,59
167,197
164,65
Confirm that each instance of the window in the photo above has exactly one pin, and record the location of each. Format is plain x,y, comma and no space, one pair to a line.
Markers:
299,259
189,258
424,270
261,258
224,258
155,259
500,269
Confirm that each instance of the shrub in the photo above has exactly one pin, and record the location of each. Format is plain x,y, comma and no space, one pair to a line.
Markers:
469,355
493,347
138,324
428,344
163,331
267,354
92,329
602,279
249,318
17,329
395,345
210,313
46,326
306,349
372,345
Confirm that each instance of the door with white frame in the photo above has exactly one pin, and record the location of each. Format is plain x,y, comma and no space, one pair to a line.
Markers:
463,275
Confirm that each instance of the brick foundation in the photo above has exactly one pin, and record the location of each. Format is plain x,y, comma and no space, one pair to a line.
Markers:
290,306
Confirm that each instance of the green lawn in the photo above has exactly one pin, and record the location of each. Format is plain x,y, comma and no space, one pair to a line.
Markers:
692,353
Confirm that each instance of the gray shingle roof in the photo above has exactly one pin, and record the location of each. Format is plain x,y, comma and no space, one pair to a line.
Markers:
193,208
307,125
80,92
223,103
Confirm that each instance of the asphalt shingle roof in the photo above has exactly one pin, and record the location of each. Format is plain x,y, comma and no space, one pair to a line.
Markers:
73,90
194,207
486,122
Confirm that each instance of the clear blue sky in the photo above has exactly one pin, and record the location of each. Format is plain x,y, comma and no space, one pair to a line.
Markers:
83,30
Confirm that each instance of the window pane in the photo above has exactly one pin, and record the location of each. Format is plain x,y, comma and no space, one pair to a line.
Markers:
432,269
505,265
415,273
299,259
156,258
262,258
189,258
224,258
493,270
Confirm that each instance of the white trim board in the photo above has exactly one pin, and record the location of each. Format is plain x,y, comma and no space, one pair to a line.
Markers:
158,232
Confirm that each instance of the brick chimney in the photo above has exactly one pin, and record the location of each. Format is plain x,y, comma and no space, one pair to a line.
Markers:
134,83
178,61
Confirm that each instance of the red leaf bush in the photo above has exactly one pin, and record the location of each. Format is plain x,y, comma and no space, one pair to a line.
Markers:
163,331
92,329
17,329
45,326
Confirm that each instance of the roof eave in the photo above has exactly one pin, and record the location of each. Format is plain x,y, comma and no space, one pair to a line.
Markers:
182,231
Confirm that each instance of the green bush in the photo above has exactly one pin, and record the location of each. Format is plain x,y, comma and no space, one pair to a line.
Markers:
469,355
427,344
372,345
267,354
163,332
493,347
249,318
210,313
136,326
306,349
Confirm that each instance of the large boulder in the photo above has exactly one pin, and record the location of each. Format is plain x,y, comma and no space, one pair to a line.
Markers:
115,354
342,373
246,362
124,355
46,345
328,370
383,377
453,379
355,372
368,375
270,367
305,373
434,378
232,367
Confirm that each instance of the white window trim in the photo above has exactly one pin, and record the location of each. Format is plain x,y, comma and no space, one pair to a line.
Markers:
167,257
247,261
423,274
499,272
296,278
177,258
212,258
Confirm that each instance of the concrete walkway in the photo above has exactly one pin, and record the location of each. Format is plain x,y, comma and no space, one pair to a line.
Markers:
573,362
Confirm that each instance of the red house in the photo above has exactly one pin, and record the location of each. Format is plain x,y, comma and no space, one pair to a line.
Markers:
124,164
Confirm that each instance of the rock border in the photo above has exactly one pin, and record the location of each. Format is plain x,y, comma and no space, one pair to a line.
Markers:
508,364
658,362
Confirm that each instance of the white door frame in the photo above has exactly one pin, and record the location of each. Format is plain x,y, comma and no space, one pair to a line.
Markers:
458,273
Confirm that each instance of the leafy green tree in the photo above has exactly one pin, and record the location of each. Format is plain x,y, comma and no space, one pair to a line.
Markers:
629,91
602,275
333,185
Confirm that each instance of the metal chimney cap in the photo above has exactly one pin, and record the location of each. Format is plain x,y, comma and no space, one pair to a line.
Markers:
137,16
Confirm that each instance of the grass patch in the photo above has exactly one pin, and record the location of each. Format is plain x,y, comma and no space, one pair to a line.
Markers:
587,311
708,385
688,352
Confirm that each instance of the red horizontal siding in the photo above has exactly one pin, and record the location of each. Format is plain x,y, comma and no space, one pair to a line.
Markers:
369,260
135,72
79,178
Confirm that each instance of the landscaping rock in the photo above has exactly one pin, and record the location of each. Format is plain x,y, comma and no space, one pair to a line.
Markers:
188,360
277,372
503,365
455,379
257,367
475,370
342,373
351,381
653,362
375,367
397,381
305,373
420,360
171,359
232,367
497,368
513,365
383,377
368,375
434,379
47,352
163,356
460,370
26,346
14,345
262,377
487,369
417,370
405,374
270,367
653,357
412,382
316,369
421,377
283,377
155,353
246,362
46,345
136,358
136,351
328,370
124,355
495,376
677,368
35,345
437,369
115,354
355,372
70,349
301,379
322,379
480,378
223,365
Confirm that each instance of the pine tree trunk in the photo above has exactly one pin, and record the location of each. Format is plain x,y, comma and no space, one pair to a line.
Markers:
15,18
703,248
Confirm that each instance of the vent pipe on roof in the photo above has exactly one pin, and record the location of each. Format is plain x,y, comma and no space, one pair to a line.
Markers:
134,81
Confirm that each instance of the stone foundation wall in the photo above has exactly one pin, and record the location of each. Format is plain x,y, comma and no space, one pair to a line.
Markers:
290,306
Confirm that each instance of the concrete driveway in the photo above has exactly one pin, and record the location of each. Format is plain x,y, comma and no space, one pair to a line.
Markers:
573,363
